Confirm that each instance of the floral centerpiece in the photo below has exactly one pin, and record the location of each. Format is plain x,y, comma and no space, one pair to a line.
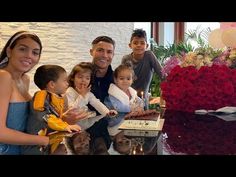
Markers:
202,77
200,80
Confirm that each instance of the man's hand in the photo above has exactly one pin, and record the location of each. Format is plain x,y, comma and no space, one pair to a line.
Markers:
112,113
73,115
74,127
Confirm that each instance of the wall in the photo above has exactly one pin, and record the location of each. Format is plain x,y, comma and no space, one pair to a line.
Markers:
68,43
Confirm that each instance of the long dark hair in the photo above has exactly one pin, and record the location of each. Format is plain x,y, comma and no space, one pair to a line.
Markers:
13,41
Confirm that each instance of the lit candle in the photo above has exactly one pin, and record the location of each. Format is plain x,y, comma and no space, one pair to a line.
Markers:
142,95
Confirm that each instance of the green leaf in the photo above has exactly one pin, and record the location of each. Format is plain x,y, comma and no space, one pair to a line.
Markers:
200,36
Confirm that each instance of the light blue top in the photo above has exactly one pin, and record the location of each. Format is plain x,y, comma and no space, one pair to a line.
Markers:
121,102
16,119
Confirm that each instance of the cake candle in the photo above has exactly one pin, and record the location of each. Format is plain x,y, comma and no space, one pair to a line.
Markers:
142,95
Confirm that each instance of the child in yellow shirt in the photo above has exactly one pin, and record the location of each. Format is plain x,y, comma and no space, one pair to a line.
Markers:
47,106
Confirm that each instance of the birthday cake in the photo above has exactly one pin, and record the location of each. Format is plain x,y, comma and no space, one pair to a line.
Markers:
141,120
143,115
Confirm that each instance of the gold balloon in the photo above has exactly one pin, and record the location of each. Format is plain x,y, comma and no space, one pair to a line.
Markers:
214,39
229,37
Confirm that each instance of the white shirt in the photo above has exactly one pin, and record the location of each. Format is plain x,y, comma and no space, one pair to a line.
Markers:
78,101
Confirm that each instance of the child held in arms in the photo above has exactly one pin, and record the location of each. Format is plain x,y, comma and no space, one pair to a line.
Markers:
122,97
47,106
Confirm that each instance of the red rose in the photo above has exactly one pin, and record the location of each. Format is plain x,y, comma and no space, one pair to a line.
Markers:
189,89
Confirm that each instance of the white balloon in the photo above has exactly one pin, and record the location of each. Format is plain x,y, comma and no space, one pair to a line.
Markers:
229,37
215,40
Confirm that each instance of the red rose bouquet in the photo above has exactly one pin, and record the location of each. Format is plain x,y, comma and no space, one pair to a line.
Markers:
209,87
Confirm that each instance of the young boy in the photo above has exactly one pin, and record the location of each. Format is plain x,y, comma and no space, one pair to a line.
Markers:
143,61
47,106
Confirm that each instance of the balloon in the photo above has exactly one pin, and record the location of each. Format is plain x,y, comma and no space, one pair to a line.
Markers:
229,37
214,39
227,25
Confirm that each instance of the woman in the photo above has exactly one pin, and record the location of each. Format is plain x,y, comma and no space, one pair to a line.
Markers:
20,54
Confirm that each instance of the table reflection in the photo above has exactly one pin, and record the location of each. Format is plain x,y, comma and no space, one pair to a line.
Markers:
134,142
182,133
189,133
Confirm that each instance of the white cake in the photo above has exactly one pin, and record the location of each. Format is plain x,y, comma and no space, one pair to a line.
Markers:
142,120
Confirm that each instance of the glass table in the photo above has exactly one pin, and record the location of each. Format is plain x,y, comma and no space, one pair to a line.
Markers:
133,142
183,133
194,134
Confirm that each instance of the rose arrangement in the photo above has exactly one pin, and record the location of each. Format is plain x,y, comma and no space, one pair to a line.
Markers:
227,57
209,87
